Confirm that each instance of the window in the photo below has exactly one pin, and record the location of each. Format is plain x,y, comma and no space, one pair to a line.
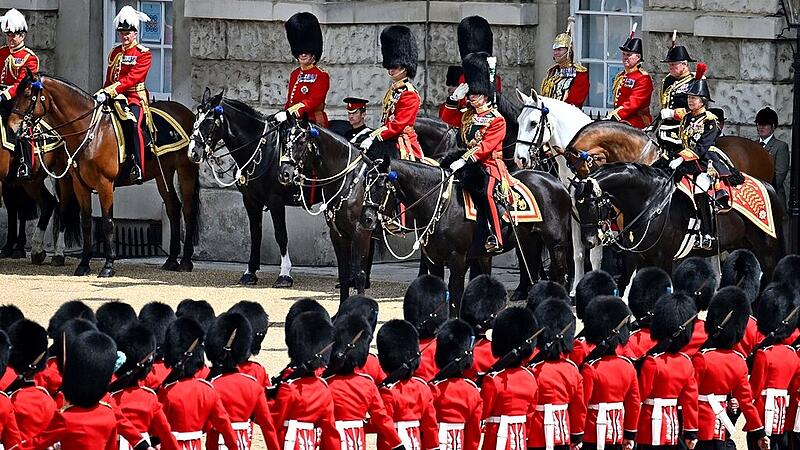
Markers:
155,35
601,27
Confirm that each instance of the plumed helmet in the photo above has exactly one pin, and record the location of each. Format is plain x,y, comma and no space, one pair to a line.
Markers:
474,35
564,40
670,313
632,44
13,22
398,344
602,316
741,268
90,363
454,345
304,35
73,309
361,305
309,340
483,298
695,278
128,19
728,300
352,337
479,74
399,49
299,307
545,290
593,284
512,327
28,347
113,317
425,305
774,306
699,86
767,116
788,271
259,321
228,341
157,316
183,347
138,344
677,53
554,315
69,331
199,310
649,284
9,314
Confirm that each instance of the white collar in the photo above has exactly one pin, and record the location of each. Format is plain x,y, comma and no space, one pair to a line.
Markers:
766,141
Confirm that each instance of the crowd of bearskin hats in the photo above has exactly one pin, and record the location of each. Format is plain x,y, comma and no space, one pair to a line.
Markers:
647,372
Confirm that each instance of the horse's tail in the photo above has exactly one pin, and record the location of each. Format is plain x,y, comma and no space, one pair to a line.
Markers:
16,198
70,217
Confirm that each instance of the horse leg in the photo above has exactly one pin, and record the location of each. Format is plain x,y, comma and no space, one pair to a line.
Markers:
11,224
105,193
47,205
22,238
84,198
68,221
579,254
278,213
368,264
342,249
457,264
360,259
525,282
190,191
166,188
253,209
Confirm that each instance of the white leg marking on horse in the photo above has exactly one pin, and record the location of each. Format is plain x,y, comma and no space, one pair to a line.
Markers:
577,246
596,257
37,242
60,245
628,287
286,265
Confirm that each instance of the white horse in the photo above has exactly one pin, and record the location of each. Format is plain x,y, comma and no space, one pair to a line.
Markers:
545,120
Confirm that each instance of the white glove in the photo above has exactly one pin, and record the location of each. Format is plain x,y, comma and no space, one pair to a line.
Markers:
460,92
281,116
675,163
367,143
667,113
457,164
101,97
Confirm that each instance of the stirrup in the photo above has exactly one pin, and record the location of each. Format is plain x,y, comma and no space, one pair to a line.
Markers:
136,174
492,245
24,172
704,241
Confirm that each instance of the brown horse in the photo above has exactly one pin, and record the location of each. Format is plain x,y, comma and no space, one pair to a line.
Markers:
91,155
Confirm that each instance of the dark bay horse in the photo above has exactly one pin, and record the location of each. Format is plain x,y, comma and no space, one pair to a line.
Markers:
656,218
251,141
91,155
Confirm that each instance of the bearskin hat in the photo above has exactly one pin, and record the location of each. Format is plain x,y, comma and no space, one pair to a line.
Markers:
299,307
545,290
199,310
512,327
554,315
69,331
649,284
672,311
788,271
602,316
90,363
593,284
726,300
474,35
774,305
309,339
453,76
228,341
399,49
157,316
304,35
73,309
695,278
5,349
483,298
454,342
9,315
113,317
349,353
259,321
361,305
398,344
28,347
477,74
425,304
741,268
138,343
183,347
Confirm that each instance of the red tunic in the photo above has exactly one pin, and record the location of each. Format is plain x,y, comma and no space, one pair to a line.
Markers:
7,378
427,364
410,405
373,369
458,406
256,371
612,393
638,345
157,375
50,377
140,406
561,409
400,107
78,428
720,373
752,337
127,72
775,369
12,68
33,408
632,92
9,432
509,401
483,132
569,84
302,411
482,359
580,350
356,400
243,398
309,87
699,337
666,380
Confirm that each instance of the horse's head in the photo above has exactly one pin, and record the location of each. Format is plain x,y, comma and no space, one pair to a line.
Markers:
379,189
533,129
209,127
30,104
298,147
594,211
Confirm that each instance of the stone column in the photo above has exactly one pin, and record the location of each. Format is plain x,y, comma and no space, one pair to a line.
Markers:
181,59
79,43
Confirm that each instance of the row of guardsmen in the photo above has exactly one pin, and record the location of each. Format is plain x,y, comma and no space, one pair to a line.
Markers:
115,380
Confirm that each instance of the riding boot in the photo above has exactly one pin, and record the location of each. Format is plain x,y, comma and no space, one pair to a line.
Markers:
704,207
137,174
25,171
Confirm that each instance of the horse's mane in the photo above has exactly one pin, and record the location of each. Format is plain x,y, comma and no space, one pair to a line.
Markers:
68,83
333,135
244,107
641,171
563,104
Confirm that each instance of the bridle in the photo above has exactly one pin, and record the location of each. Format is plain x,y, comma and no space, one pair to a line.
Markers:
539,130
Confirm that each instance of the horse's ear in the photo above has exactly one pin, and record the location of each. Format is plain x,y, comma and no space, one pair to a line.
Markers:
206,95
221,93
534,95
523,98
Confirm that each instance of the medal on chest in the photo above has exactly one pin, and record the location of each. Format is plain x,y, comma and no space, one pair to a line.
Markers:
568,72
628,83
307,78
129,60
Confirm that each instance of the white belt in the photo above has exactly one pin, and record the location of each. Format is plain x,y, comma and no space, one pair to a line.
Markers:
657,417
769,406
187,436
237,426
715,401
549,421
445,433
342,426
123,443
292,426
504,422
602,420
402,427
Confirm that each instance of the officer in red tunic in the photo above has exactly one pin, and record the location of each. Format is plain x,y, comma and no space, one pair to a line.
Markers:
457,399
695,278
367,308
483,129
742,269
259,322
9,432
483,298
407,398
396,137
128,65
15,61
309,83
558,422
425,306
156,316
632,87
649,284
593,284
566,80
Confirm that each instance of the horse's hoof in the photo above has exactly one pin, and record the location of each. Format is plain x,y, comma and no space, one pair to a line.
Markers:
519,295
18,253
106,272
37,259
283,281
185,265
248,279
57,261
170,264
82,270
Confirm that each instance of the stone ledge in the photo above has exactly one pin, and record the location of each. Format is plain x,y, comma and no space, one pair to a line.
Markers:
666,21
738,27
31,5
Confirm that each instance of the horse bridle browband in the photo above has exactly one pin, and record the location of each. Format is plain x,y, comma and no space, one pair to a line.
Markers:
540,127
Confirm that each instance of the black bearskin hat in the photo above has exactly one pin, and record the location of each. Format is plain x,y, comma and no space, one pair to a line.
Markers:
301,306
73,309
453,76
399,49
474,35
554,314
259,321
304,35
741,268
788,271
200,310
349,353
28,347
90,363
228,341
724,301
545,290
483,298
649,284
695,278
69,331
138,343
477,76
512,327
9,314
767,116
113,317
183,344
5,349
602,316
398,344
593,284
774,305
361,305
454,341
309,335
672,311
425,304
157,316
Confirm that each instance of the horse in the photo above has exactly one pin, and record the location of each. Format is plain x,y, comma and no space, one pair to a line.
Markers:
251,141
655,218
91,157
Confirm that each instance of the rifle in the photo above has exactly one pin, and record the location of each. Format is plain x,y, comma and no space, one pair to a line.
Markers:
340,356
400,373
452,368
294,372
605,344
543,352
176,371
506,359
720,327
23,376
123,380
770,338
664,345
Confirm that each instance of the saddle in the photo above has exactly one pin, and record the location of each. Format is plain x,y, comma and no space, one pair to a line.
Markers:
162,132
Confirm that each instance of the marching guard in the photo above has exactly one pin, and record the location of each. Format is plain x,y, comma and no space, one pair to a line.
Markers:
742,269
649,284
356,113
673,104
9,431
425,306
695,278
157,316
632,87
367,308
566,80
484,297
259,323
592,285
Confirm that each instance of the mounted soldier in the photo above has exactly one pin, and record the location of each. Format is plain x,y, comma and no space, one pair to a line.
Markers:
633,86
566,80
673,104
15,59
356,113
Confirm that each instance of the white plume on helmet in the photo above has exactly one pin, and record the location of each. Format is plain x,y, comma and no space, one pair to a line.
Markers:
130,16
13,22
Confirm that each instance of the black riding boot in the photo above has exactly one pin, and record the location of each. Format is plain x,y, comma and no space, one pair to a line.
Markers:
704,207
137,174
25,171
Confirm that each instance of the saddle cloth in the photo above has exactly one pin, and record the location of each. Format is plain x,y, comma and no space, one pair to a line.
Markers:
169,136
49,143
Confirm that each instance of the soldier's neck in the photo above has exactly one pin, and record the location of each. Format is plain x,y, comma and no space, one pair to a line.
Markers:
19,47
632,69
566,63
699,111
483,108
133,43
306,66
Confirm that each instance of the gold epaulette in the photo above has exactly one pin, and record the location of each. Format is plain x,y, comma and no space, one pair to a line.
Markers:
321,69
580,68
142,48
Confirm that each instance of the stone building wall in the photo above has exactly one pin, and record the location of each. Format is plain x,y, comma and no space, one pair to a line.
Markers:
41,36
